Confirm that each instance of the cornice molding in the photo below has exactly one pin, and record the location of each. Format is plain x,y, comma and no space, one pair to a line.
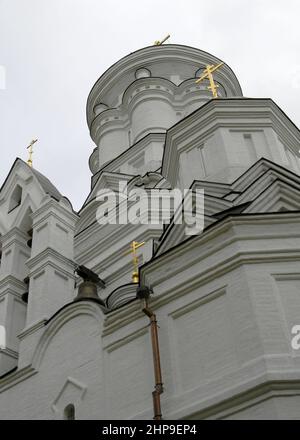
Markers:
130,312
219,228
14,236
232,399
11,285
9,352
32,328
54,208
52,257
15,377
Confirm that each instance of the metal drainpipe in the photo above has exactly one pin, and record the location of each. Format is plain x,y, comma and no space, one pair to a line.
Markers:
159,389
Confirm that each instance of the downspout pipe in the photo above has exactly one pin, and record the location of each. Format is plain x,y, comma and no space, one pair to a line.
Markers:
144,294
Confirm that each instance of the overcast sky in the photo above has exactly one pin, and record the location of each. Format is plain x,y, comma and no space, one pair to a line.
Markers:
53,51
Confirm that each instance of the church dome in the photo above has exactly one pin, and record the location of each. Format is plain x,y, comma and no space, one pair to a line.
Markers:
149,91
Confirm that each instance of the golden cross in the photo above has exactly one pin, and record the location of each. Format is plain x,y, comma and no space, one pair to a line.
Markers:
208,75
30,148
133,248
160,43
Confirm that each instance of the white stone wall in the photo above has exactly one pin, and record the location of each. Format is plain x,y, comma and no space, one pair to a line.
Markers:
225,317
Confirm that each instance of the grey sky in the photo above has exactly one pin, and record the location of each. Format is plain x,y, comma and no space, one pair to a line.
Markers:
53,51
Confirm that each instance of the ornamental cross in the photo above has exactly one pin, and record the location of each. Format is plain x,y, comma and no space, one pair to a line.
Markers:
208,75
160,43
133,248
30,150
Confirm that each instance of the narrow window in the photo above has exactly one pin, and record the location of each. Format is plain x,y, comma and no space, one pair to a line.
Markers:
202,159
69,412
16,198
2,337
248,139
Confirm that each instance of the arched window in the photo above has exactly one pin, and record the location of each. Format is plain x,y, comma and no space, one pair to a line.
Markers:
69,412
16,198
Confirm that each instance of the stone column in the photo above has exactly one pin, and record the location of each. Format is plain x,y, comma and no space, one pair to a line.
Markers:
51,267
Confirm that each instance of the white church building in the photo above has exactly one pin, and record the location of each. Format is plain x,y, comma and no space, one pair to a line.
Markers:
227,300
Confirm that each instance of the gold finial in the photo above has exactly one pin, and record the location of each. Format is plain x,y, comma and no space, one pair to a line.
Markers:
208,75
30,148
133,248
160,43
